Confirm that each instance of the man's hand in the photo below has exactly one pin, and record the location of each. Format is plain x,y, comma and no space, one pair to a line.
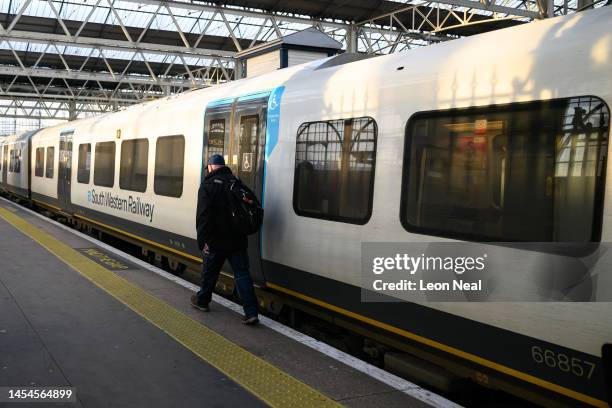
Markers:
206,249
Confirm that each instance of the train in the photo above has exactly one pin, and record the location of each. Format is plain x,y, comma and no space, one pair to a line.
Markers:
497,138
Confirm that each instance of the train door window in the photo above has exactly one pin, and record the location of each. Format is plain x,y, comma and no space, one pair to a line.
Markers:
134,165
13,160
84,165
169,166
17,160
334,169
104,164
245,155
49,165
5,163
216,137
39,165
524,172
15,164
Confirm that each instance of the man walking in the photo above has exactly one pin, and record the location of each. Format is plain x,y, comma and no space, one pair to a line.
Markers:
219,242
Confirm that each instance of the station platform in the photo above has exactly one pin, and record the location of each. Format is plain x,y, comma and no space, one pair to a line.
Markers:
72,314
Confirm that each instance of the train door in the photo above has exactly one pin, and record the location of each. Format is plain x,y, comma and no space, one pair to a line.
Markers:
65,169
247,148
237,131
5,164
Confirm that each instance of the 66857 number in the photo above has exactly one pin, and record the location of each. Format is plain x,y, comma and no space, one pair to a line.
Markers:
563,362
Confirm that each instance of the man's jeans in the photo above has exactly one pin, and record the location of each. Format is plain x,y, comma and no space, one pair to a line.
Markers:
213,262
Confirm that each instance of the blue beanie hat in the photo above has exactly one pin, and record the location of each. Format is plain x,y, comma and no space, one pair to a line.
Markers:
216,159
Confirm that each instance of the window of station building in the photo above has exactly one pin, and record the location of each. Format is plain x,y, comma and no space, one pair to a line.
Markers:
169,166
39,165
134,165
529,172
49,165
84,165
334,169
104,164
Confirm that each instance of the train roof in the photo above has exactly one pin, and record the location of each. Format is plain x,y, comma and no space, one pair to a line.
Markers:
23,136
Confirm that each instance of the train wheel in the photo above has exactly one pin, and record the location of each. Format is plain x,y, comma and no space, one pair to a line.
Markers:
172,266
148,256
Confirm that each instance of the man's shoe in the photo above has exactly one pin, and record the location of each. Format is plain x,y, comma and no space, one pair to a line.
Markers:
194,303
250,321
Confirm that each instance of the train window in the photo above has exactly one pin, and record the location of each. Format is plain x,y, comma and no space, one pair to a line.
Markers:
334,169
39,165
84,167
104,164
50,162
169,166
18,160
134,165
13,161
524,172
216,137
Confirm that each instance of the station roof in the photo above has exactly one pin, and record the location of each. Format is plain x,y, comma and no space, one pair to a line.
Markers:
38,17
357,11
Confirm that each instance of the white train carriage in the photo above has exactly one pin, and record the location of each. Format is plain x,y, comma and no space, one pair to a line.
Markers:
44,165
2,165
15,162
389,149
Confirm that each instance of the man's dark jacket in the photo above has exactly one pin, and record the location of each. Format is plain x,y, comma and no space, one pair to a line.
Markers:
213,215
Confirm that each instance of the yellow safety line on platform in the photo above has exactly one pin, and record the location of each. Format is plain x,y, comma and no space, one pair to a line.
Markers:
264,380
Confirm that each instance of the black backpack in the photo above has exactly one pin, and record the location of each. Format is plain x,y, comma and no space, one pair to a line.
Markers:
245,209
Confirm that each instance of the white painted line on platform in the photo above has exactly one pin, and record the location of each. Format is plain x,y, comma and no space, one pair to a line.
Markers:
383,376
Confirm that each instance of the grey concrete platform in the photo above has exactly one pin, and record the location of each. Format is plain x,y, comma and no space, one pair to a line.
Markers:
57,328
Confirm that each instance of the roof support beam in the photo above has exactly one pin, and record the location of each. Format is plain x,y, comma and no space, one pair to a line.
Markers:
469,4
231,31
18,16
275,17
92,76
90,42
25,97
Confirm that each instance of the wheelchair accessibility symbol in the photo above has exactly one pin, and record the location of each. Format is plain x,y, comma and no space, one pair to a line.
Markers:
247,161
273,103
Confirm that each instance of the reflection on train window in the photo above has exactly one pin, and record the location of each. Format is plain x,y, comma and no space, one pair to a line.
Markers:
39,165
50,162
334,169
525,172
216,137
15,163
169,166
134,165
84,167
104,164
